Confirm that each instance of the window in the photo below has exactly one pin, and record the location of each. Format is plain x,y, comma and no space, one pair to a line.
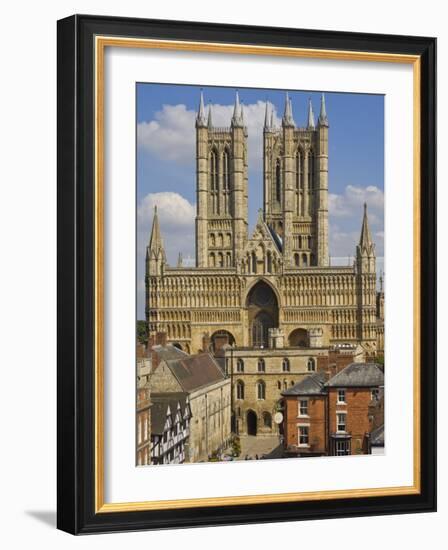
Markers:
311,364
374,394
279,385
304,436
286,365
341,422
261,390
139,435
296,260
214,170
267,420
240,390
226,171
342,448
261,365
285,384
278,181
304,260
341,396
303,407
240,365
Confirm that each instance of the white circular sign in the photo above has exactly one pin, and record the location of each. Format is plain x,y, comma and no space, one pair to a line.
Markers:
278,418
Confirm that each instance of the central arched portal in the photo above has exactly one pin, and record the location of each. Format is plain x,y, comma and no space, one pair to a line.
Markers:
251,422
262,305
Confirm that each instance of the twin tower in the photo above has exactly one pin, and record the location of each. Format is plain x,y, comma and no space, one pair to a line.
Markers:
295,187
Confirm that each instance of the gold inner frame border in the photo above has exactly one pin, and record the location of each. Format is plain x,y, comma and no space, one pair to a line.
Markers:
101,42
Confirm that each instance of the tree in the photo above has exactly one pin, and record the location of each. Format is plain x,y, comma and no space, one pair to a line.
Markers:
142,335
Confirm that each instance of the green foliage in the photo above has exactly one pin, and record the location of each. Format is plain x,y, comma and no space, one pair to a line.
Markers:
142,335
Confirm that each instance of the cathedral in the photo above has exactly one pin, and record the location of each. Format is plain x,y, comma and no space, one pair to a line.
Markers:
271,297
277,278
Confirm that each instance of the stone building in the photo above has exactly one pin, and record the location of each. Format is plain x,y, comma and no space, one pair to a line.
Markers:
328,414
276,287
143,408
200,379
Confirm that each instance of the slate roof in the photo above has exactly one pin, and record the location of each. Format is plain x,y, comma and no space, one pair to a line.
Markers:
377,437
160,403
358,375
191,371
276,238
311,385
169,352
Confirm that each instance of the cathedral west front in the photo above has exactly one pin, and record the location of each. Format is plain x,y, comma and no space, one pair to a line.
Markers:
268,302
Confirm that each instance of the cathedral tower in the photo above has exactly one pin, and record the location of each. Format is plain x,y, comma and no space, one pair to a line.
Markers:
221,169
296,185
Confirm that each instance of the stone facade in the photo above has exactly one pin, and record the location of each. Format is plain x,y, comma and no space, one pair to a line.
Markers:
287,253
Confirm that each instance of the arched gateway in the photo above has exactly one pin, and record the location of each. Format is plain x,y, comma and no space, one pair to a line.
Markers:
262,307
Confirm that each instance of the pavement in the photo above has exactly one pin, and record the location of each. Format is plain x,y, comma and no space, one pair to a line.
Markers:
252,445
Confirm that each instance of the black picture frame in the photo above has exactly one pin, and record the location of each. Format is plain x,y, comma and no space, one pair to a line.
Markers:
76,396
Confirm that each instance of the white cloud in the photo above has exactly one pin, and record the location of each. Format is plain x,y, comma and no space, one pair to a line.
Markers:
175,212
346,211
350,203
171,134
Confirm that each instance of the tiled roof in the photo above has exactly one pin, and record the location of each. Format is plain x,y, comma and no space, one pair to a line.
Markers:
358,375
311,385
160,403
191,371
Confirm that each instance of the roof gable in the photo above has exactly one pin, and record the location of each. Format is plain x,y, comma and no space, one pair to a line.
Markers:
358,375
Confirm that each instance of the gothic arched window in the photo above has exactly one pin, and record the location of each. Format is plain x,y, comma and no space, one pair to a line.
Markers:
311,170
278,182
240,390
304,260
226,170
214,180
240,365
286,365
296,260
267,420
261,365
261,390
311,364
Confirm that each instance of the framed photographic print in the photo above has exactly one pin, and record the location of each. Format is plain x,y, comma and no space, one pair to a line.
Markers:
246,274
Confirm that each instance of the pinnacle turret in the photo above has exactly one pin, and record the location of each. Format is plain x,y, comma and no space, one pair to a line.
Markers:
210,120
323,120
266,117
237,120
310,124
288,119
200,117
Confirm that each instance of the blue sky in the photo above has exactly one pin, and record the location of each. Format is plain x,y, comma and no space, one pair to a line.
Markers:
166,161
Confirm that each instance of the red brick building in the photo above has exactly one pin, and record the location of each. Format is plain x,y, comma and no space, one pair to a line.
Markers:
328,414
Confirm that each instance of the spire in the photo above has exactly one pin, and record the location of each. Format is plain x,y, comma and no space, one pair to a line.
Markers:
210,121
236,118
311,123
272,118
288,119
323,120
200,117
365,241
155,253
266,116
242,113
180,260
